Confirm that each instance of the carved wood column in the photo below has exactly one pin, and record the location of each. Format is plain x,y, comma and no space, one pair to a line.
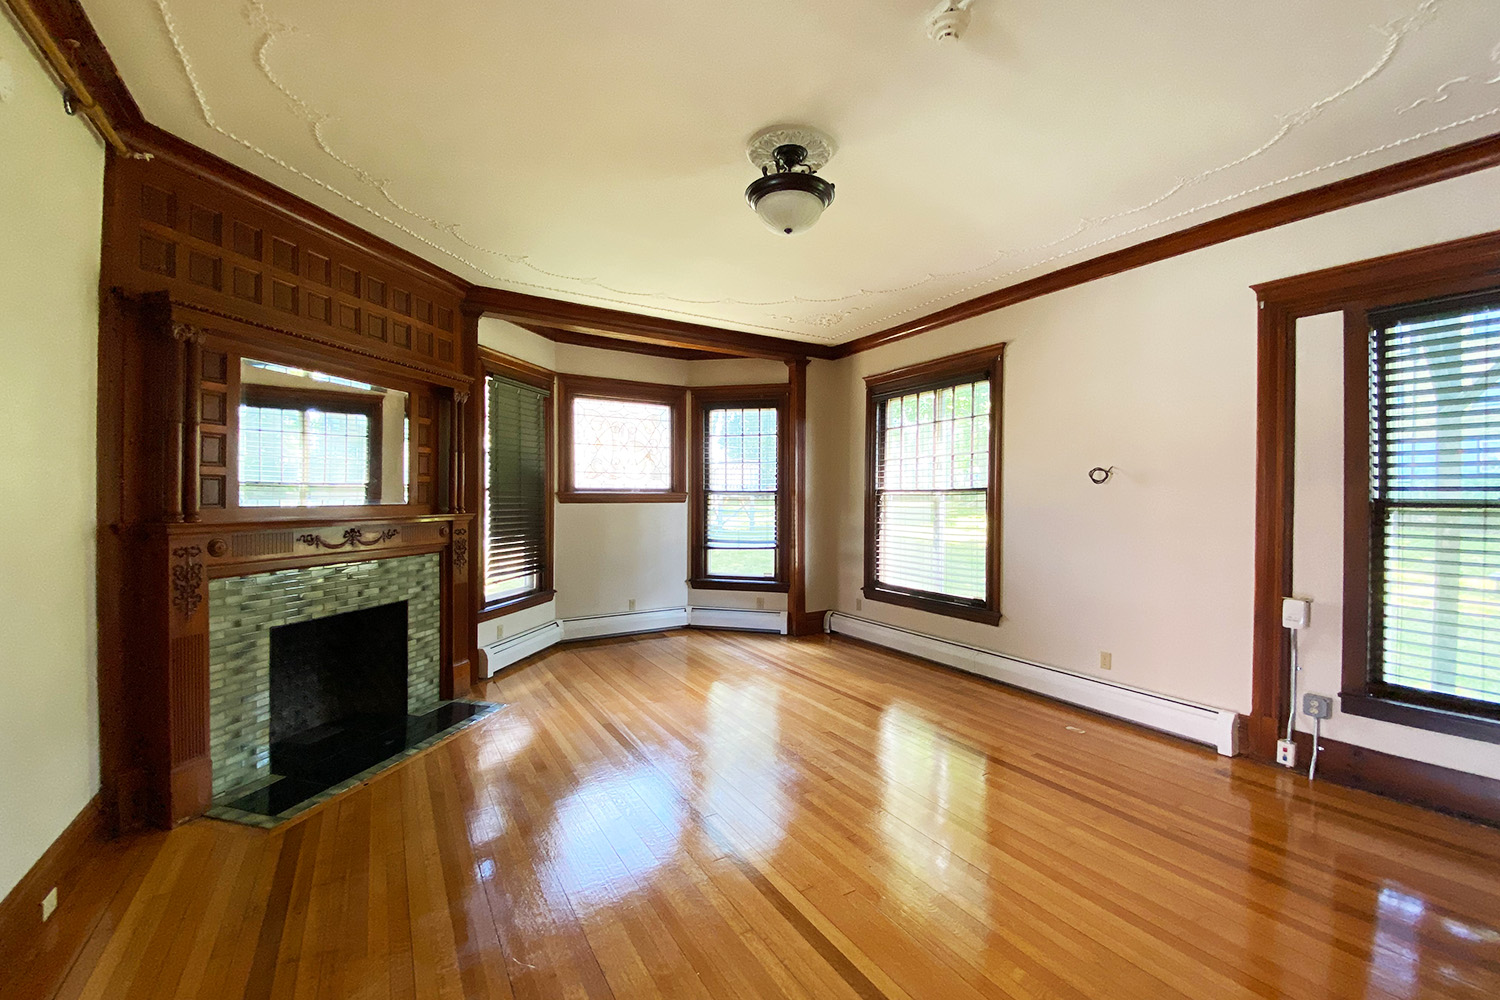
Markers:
798,621
184,725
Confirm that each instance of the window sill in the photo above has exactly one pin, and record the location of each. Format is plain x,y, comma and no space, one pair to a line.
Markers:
727,583
520,602
1405,713
620,496
985,616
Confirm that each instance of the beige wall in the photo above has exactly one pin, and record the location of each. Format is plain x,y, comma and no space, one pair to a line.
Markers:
607,555
50,210
1152,371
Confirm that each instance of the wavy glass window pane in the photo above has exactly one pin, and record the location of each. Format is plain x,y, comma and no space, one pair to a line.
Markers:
619,445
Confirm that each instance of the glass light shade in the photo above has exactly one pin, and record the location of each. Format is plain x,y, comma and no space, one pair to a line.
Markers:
789,211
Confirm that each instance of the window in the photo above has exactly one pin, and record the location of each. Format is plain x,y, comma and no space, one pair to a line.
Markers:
739,515
308,449
621,441
932,504
1432,509
517,508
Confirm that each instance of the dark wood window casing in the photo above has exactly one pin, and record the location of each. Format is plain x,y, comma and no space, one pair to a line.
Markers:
499,367
971,366
705,400
574,387
1365,691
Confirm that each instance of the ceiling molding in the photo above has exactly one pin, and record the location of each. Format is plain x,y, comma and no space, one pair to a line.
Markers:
533,310
625,345
1445,164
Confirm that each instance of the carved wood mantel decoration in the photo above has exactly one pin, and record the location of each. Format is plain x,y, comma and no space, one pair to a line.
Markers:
200,274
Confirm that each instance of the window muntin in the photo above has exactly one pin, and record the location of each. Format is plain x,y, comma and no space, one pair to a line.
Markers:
932,478
515,483
741,514
306,456
1435,502
623,445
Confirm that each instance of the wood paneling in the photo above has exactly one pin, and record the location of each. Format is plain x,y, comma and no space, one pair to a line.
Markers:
706,814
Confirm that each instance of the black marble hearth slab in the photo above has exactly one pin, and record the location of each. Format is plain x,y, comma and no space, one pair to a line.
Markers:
314,766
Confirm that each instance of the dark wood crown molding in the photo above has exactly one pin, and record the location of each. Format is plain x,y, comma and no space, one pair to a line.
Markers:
534,311
622,344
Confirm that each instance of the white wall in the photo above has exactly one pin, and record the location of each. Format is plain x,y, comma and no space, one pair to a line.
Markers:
50,211
1318,559
607,555
1152,371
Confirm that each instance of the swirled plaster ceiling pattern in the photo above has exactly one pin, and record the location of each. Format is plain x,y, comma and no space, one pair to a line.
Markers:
596,155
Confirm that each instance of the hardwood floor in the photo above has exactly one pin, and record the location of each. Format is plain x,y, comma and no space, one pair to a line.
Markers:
714,815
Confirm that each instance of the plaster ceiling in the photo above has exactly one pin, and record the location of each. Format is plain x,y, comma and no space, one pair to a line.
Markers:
595,152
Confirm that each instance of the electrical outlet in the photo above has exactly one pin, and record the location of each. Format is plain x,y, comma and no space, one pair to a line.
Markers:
499,631
1317,706
859,604
632,604
760,604
49,904
1286,753
1106,660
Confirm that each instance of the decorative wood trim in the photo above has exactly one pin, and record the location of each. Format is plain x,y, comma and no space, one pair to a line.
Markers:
33,951
1452,268
533,311
675,396
775,395
1458,793
187,579
1445,164
352,537
625,344
494,363
796,597
979,363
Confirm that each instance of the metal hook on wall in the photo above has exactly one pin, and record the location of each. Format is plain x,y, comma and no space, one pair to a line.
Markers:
1099,475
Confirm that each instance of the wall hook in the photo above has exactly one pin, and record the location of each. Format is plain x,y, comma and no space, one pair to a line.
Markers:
1099,475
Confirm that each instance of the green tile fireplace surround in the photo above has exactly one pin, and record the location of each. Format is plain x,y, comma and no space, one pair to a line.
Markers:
244,609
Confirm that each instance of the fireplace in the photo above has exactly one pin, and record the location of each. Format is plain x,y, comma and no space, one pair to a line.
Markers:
299,653
334,670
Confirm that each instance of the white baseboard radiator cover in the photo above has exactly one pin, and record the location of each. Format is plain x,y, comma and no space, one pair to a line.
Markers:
503,652
1215,727
738,619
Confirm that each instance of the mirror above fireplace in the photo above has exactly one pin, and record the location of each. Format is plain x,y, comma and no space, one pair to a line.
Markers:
310,439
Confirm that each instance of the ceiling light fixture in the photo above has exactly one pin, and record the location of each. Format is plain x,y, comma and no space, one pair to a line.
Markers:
789,196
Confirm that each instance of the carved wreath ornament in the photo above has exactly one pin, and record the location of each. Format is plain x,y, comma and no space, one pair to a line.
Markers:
352,537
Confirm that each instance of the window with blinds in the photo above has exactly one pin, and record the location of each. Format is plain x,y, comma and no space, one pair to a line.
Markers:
1435,501
515,471
741,472
932,514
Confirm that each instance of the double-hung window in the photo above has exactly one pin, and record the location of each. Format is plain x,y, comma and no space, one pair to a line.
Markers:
740,520
1430,604
932,493
517,504
308,448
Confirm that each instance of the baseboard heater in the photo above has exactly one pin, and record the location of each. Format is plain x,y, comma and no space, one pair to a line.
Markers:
1215,727
503,652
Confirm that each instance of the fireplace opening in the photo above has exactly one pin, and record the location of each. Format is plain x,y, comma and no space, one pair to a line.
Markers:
330,671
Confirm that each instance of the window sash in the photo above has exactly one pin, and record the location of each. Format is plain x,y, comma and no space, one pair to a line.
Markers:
515,508
1434,503
741,491
931,491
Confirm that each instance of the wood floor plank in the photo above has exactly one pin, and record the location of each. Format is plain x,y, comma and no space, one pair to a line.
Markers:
715,815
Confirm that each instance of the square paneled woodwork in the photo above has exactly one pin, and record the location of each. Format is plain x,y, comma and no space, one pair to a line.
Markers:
215,367
319,269
213,450
283,296
319,307
348,281
205,269
211,491
158,256
215,408
246,240
159,206
283,255
205,224
246,284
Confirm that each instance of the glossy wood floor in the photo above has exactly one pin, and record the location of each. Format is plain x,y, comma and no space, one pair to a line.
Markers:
713,815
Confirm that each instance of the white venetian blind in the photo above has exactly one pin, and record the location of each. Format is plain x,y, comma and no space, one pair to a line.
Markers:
1435,501
932,479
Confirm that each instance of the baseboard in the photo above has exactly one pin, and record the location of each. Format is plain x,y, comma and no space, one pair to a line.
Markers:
503,652
738,619
23,935
1215,727
626,623
1460,793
